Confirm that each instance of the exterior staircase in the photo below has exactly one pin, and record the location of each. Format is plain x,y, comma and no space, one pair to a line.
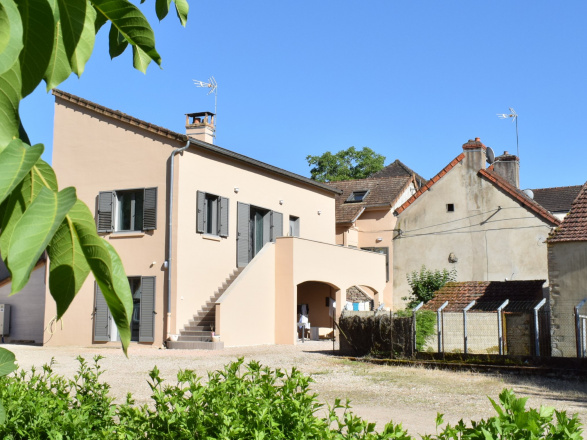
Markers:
196,334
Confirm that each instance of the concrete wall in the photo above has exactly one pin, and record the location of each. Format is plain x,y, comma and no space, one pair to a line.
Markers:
95,153
567,271
27,309
492,236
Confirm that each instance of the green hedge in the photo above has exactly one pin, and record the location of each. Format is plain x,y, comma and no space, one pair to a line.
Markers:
240,402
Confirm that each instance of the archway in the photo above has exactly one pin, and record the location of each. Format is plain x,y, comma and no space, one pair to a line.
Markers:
316,299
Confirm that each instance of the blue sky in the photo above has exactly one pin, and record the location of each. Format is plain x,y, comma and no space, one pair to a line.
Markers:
411,80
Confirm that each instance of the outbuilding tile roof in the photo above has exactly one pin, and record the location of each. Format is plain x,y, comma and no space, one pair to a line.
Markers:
399,169
489,295
574,226
354,294
383,191
557,199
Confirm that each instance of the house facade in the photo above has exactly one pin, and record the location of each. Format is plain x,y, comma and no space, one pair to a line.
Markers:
472,219
210,240
567,272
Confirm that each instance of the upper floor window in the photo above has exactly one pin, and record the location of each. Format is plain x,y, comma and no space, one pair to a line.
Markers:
212,214
294,226
127,210
357,196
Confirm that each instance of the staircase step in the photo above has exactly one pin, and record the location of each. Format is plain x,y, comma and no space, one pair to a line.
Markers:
194,345
183,338
201,333
196,328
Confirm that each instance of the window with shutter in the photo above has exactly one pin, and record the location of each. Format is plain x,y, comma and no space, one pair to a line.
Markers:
223,217
127,210
147,310
243,236
105,211
101,316
211,214
294,226
150,209
276,225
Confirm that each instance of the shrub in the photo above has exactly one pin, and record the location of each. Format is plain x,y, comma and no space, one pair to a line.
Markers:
425,283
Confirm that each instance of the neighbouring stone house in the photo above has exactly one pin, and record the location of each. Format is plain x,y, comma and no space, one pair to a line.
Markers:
567,273
473,219
557,200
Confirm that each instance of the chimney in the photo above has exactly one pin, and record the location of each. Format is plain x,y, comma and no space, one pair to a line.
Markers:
475,155
201,126
508,166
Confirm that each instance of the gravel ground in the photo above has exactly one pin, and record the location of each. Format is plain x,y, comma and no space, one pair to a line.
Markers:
410,395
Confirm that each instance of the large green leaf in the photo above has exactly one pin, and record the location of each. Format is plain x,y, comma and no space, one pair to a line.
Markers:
7,364
10,85
68,266
38,33
15,162
34,231
162,8
140,59
10,34
117,43
40,176
182,8
77,19
132,24
58,68
107,269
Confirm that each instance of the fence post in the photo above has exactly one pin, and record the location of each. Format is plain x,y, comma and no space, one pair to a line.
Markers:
465,336
414,325
500,326
578,334
440,327
537,327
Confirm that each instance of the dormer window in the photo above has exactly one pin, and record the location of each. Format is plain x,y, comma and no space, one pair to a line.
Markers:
357,196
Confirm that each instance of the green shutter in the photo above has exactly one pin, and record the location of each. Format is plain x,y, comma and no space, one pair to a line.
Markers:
150,209
200,212
242,240
101,316
276,225
105,211
147,319
223,216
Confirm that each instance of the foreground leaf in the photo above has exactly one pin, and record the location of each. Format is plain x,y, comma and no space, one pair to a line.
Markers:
182,8
10,34
59,67
107,269
34,231
15,162
117,43
38,32
7,364
68,266
77,19
10,96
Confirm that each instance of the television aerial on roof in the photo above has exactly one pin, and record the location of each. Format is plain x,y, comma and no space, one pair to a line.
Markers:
514,116
212,85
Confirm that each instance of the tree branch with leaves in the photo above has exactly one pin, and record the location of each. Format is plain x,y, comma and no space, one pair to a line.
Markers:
345,165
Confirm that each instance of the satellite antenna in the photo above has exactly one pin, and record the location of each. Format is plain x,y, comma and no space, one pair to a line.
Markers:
490,155
212,85
514,117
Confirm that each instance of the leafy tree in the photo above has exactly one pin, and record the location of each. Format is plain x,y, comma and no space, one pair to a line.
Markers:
425,283
47,40
345,165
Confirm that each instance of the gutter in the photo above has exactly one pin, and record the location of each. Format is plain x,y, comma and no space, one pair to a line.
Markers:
170,230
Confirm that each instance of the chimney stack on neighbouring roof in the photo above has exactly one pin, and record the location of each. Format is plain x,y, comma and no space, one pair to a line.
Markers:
508,166
475,154
201,126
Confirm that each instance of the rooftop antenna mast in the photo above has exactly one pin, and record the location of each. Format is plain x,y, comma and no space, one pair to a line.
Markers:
212,85
512,114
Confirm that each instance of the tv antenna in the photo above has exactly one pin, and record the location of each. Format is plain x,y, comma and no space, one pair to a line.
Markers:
514,117
212,85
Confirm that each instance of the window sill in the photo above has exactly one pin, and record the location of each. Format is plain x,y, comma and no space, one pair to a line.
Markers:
211,237
127,234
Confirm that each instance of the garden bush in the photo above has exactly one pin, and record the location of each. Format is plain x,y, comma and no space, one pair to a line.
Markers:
240,402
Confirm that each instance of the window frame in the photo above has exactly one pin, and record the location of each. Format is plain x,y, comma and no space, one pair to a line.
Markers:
386,253
351,199
108,210
212,219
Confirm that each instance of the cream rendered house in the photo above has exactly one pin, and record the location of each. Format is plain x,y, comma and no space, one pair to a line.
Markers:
475,220
211,240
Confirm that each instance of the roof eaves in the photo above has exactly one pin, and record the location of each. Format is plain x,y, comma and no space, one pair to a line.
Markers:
514,194
429,184
358,215
123,117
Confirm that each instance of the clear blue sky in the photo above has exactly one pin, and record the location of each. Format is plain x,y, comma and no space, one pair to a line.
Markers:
412,80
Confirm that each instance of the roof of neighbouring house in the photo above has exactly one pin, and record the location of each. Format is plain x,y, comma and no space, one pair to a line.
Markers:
5,277
130,120
399,169
497,180
382,192
354,294
557,199
523,296
574,226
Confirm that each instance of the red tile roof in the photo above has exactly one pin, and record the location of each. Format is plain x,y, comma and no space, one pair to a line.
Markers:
489,295
519,196
431,182
574,226
557,199
383,191
399,169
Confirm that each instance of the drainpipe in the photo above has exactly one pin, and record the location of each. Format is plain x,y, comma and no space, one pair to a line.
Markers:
170,230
